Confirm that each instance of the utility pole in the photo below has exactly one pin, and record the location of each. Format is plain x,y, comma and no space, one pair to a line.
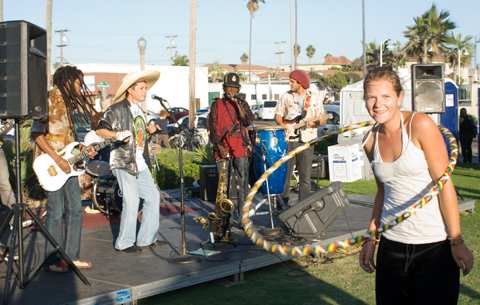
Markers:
192,61
172,45
1,10
364,46
62,44
293,32
48,22
279,52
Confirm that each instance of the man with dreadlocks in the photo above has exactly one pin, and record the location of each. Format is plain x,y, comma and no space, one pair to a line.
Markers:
68,106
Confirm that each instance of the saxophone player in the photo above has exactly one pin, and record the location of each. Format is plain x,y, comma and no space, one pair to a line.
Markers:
228,120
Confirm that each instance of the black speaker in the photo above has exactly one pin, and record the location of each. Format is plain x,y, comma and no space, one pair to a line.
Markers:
23,70
310,217
428,91
208,182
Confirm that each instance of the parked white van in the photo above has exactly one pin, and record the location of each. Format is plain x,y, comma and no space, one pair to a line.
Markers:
267,110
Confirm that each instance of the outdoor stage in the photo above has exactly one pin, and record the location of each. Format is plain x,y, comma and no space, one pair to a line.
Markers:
120,278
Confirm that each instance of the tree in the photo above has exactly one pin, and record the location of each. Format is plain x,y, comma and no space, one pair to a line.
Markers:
216,72
252,6
310,53
244,58
460,53
429,35
180,60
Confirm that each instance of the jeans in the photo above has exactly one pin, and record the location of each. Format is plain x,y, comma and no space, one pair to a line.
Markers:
303,161
6,193
64,218
133,188
416,274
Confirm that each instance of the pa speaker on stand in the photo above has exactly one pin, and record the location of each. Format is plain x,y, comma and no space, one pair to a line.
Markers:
23,70
428,90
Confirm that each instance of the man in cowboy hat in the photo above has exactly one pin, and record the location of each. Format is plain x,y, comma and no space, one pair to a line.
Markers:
130,161
300,112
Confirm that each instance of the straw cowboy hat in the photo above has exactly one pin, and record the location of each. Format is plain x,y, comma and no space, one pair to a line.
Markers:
150,77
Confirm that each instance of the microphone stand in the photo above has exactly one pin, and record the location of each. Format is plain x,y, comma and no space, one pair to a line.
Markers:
182,255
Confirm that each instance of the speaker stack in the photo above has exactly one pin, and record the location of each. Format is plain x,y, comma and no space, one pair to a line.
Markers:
23,70
310,217
428,91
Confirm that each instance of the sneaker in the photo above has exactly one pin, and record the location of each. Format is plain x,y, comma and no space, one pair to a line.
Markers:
131,249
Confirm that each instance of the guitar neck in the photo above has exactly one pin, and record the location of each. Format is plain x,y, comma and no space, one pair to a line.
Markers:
83,155
6,127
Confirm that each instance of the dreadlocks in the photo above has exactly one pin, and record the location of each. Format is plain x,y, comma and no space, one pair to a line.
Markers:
64,79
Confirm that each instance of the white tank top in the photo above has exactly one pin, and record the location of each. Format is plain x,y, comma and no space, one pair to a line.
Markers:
406,180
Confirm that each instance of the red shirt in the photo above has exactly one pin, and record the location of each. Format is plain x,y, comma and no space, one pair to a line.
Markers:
226,122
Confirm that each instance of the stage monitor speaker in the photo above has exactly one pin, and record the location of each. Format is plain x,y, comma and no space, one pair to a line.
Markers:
208,182
310,217
428,91
23,70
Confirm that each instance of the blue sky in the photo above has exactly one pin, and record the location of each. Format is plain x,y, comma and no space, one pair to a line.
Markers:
106,31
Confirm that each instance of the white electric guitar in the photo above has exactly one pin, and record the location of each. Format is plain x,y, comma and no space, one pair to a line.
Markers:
51,176
6,127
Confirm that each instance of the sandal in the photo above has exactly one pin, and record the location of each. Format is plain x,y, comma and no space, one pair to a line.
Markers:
83,264
59,267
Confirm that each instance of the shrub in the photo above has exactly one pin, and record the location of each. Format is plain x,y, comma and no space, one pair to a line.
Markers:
166,171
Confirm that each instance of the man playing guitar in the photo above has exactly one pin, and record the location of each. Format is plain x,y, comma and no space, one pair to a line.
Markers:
68,102
300,111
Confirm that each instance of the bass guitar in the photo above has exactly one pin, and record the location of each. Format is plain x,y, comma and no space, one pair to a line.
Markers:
52,177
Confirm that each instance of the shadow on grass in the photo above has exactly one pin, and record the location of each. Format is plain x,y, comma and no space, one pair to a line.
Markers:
290,284
467,192
469,292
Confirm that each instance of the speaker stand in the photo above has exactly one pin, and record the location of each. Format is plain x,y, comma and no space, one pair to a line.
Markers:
15,244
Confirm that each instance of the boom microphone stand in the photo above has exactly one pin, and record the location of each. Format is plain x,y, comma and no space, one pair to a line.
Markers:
15,244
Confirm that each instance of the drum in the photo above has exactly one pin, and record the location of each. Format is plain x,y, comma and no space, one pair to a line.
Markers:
270,146
98,168
107,196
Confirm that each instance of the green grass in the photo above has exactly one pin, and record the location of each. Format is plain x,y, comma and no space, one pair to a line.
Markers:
340,281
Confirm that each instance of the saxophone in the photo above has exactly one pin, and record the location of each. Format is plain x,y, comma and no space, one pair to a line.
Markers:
218,222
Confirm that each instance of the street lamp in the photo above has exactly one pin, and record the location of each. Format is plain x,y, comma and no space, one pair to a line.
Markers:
142,45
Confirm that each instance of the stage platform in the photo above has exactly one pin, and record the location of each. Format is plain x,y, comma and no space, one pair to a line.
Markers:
121,278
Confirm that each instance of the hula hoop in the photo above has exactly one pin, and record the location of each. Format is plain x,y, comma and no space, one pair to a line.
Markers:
315,248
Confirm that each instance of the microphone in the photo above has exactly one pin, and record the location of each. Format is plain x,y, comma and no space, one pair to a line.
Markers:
156,97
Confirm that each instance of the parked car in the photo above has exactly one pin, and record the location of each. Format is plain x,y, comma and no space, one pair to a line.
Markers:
333,124
201,122
178,113
267,110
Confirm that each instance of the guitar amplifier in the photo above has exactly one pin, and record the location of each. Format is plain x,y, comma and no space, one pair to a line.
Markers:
310,217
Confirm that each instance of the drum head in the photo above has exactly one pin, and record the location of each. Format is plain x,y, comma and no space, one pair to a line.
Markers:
98,168
268,128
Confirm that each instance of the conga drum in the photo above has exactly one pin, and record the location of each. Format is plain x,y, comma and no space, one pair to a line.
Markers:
270,146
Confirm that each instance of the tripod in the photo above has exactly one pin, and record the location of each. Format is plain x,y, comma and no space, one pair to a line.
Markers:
15,244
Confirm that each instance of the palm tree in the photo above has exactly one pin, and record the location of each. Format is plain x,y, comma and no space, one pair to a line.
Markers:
244,58
310,53
430,34
460,52
180,60
252,7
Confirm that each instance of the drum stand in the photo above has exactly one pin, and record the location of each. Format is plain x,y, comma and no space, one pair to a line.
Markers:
15,244
268,200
